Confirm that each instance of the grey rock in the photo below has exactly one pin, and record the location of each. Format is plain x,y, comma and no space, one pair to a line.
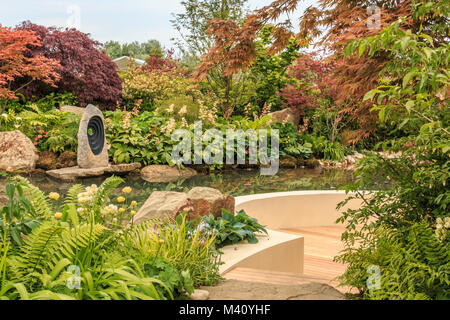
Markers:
164,173
73,173
161,205
73,109
197,202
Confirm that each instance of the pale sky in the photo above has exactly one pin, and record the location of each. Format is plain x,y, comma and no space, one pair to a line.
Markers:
123,21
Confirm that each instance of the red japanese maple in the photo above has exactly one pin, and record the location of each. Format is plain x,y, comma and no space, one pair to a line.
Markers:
17,64
85,70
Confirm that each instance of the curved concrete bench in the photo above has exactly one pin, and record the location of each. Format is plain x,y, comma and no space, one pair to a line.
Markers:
280,251
297,209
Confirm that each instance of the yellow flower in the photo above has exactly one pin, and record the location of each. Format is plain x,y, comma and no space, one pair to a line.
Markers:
121,199
54,195
133,203
121,210
58,215
133,213
161,241
127,190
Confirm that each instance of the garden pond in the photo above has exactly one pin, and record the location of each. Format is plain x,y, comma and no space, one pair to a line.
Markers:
234,182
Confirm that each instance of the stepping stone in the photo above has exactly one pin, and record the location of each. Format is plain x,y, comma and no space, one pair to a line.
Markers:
74,173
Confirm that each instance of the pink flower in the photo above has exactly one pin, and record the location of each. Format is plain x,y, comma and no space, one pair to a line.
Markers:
35,143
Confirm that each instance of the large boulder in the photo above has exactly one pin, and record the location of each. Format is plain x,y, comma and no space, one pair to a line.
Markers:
73,109
161,205
163,173
207,201
286,115
197,203
17,152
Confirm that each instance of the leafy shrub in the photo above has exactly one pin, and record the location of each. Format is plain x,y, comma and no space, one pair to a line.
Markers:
231,229
77,54
399,221
176,243
152,87
139,139
166,263
291,141
18,217
50,131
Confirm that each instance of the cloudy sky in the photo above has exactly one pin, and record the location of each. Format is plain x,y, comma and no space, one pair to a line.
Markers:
119,20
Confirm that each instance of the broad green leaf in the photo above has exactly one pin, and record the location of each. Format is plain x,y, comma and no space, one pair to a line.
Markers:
408,78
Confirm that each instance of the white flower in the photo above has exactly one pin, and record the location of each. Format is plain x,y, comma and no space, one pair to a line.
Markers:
92,190
4,115
182,111
84,197
18,118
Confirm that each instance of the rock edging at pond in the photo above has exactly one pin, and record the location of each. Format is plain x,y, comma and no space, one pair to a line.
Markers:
17,152
74,173
199,201
164,173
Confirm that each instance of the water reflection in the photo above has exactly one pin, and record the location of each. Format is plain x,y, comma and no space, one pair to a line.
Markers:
236,182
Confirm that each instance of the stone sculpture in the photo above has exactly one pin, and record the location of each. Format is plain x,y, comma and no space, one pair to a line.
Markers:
92,146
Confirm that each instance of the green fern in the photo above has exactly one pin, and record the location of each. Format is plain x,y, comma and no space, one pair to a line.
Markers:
414,264
72,195
75,243
36,252
105,190
49,244
37,198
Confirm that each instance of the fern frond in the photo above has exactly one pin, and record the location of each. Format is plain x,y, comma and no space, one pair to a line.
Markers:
36,252
37,198
105,190
72,194
74,240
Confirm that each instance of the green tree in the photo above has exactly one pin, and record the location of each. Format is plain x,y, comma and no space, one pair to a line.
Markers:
193,40
113,49
134,49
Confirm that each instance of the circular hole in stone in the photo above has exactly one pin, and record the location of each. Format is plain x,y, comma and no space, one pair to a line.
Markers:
96,135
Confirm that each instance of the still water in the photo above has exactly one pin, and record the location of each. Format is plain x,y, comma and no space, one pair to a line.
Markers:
236,182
